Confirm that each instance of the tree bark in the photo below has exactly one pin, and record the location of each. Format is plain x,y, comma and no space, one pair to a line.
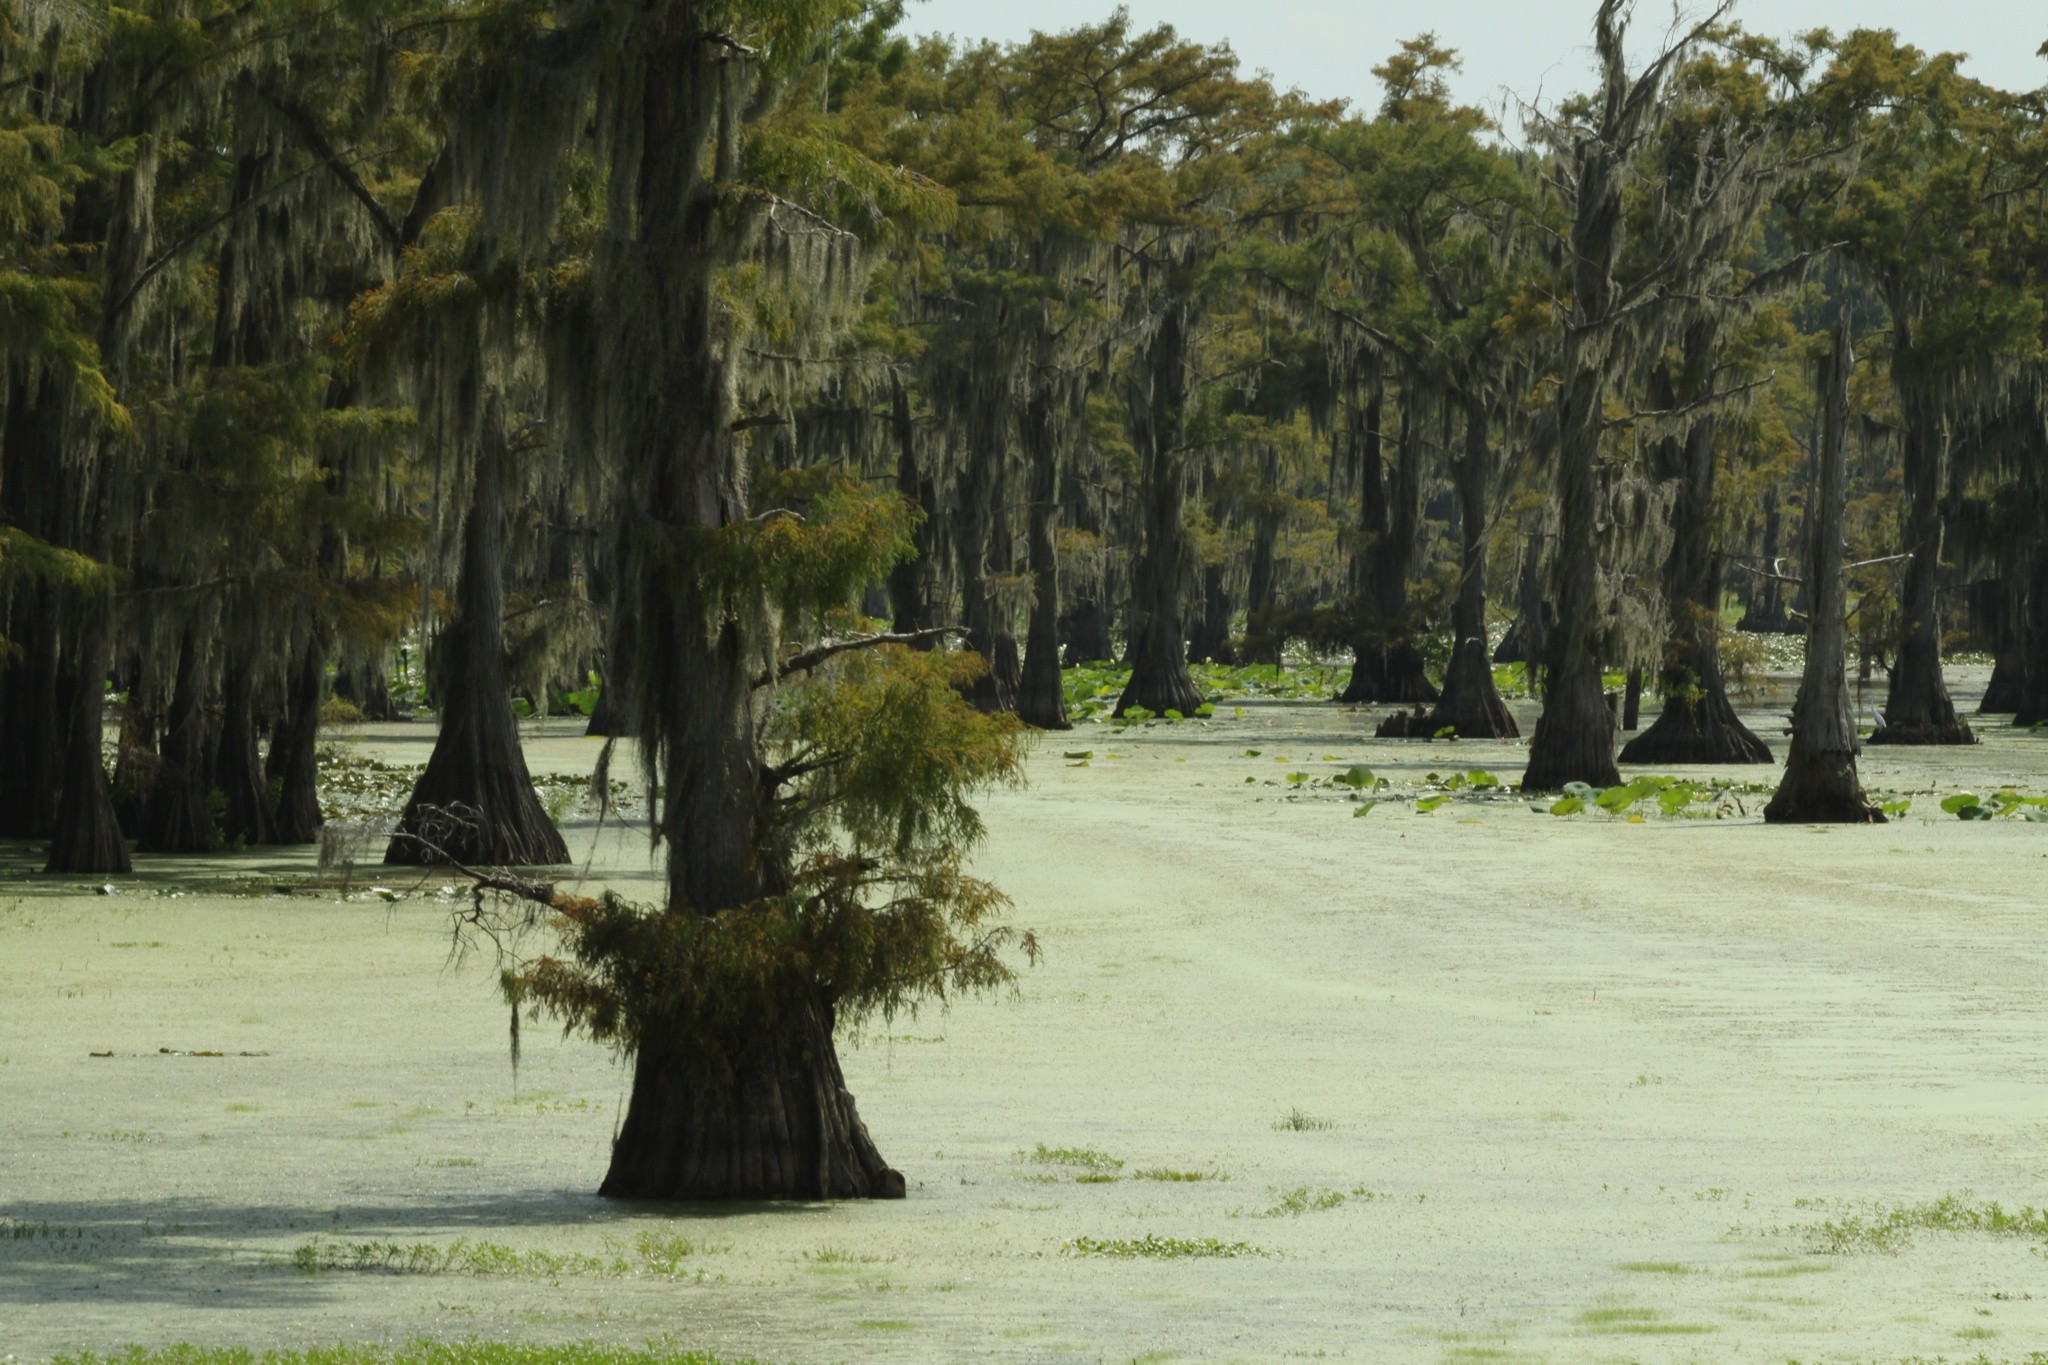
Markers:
1210,642
910,582
710,1118
1042,693
1821,785
1698,724
475,803
1160,680
293,767
770,1118
177,815
1387,667
1471,706
1917,708
988,634
86,836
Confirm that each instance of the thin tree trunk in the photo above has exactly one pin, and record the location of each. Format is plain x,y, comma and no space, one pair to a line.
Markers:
475,803
1917,708
980,505
1042,695
1821,785
910,582
1388,668
1471,706
293,767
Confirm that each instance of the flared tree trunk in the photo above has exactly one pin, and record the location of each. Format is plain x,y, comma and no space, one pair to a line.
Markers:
293,767
1821,785
770,1122
1574,740
1524,642
475,803
1471,706
177,815
1386,665
1698,724
1917,708
86,835
1160,680
2007,689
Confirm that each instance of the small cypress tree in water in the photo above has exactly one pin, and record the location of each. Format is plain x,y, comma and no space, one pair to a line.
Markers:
811,800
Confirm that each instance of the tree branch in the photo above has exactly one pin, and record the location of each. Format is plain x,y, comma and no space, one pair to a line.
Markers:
811,658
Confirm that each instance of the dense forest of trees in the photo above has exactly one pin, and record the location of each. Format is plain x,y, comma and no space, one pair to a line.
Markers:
820,393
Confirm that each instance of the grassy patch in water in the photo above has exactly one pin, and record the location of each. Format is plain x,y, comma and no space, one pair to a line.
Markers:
1154,1248
656,1253
1888,1230
419,1353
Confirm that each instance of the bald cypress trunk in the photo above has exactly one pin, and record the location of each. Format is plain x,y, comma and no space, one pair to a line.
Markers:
988,633
1210,642
292,767
1698,724
237,769
1386,665
1471,704
1165,566
910,582
1917,709
2030,706
761,1112
475,803
86,836
1042,695
177,815
1821,784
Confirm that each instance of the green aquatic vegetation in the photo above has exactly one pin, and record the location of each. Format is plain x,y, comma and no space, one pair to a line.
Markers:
1154,1248
1296,1121
2003,804
657,1253
418,1353
1089,1165
1887,1230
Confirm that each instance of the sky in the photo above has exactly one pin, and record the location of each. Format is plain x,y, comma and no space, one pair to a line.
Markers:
1532,48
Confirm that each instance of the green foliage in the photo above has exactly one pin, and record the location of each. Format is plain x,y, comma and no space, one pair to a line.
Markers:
880,758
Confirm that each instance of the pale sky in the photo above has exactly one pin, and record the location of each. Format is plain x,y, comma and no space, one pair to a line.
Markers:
1329,47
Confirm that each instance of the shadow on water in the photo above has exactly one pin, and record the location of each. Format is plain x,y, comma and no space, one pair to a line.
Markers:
240,1255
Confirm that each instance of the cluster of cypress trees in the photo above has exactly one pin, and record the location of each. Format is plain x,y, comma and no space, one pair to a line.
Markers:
673,342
